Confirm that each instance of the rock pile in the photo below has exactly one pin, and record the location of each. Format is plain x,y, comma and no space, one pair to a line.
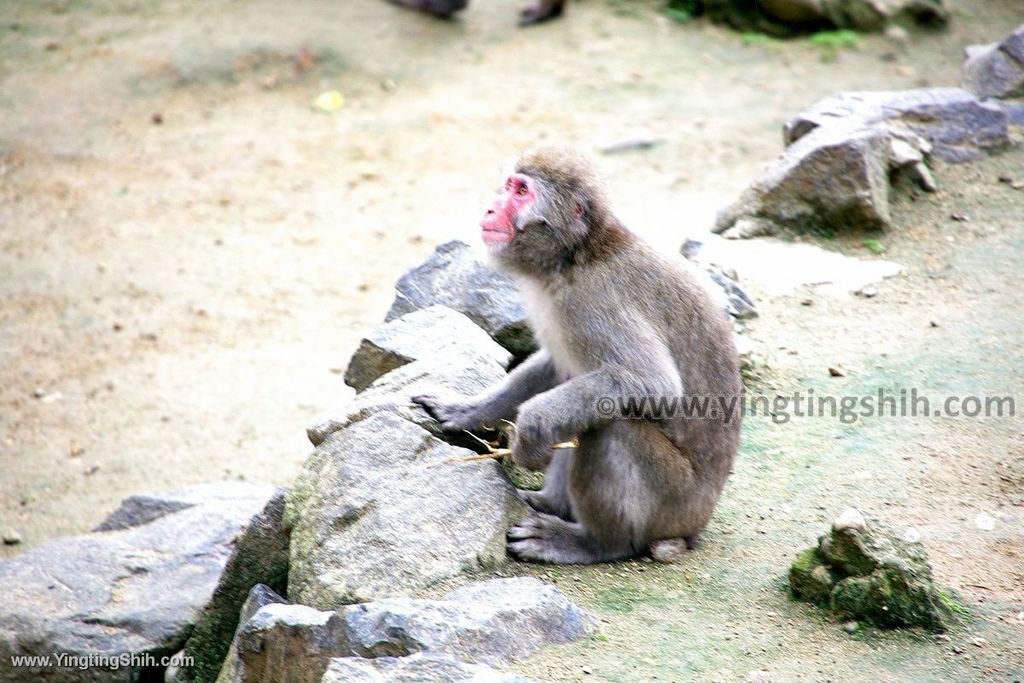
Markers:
844,153
484,624
866,572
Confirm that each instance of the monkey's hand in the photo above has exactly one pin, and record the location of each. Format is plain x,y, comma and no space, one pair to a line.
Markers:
531,447
452,415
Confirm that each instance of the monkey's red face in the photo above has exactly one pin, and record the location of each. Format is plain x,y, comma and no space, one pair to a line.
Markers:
499,223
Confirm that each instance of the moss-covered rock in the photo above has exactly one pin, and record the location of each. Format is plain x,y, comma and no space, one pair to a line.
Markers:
866,572
260,556
810,579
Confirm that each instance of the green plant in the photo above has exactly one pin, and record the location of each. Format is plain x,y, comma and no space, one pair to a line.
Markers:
754,38
952,604
835,39
874,246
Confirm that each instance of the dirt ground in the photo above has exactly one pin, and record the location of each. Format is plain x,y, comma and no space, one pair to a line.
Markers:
189,253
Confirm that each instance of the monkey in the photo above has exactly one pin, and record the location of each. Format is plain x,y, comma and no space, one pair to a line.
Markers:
541,11
614,319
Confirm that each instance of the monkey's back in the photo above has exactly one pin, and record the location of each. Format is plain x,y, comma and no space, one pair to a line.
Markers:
667,292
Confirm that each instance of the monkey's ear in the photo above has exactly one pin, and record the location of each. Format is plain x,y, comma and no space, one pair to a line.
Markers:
580,210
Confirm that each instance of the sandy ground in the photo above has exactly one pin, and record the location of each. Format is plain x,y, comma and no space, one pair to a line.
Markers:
189,252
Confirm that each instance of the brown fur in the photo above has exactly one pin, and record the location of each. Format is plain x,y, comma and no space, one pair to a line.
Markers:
615,319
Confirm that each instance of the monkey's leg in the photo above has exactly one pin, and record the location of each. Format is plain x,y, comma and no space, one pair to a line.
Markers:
542,11
629,486
439,8
554,497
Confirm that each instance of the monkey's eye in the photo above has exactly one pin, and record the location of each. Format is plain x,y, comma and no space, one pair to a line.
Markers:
522,189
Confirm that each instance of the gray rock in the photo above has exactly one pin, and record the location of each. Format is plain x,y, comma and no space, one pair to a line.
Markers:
736,302
997,70
863,570
142,508
377,511
260,556
232,671
836,178
491,622
419,668
426,333
461,374
958,126
739,305
843,151
283,643
456,277
134,590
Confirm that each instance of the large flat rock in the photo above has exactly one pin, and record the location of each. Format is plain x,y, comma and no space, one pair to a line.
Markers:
136,589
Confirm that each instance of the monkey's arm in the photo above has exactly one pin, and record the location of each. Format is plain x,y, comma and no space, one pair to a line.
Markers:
533,376
583,403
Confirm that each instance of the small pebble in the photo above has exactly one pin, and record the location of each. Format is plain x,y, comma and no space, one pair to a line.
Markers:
867,292
12,537
851,627
587,670
933,323
39,392
807,302
836,372
979,642
960,217
157,118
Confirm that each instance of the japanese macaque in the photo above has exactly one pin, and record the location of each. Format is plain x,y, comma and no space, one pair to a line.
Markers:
542,10
615,320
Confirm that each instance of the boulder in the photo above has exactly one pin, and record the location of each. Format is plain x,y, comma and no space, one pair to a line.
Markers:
421,667
490,622
997,70
844,152
862,570
378,510
957,125
837,178
260,556
462,373
135,589
457,277
426,333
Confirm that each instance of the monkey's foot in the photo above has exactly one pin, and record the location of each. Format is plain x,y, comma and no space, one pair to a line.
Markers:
546,538
542,503
439,8
542,11
669,550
